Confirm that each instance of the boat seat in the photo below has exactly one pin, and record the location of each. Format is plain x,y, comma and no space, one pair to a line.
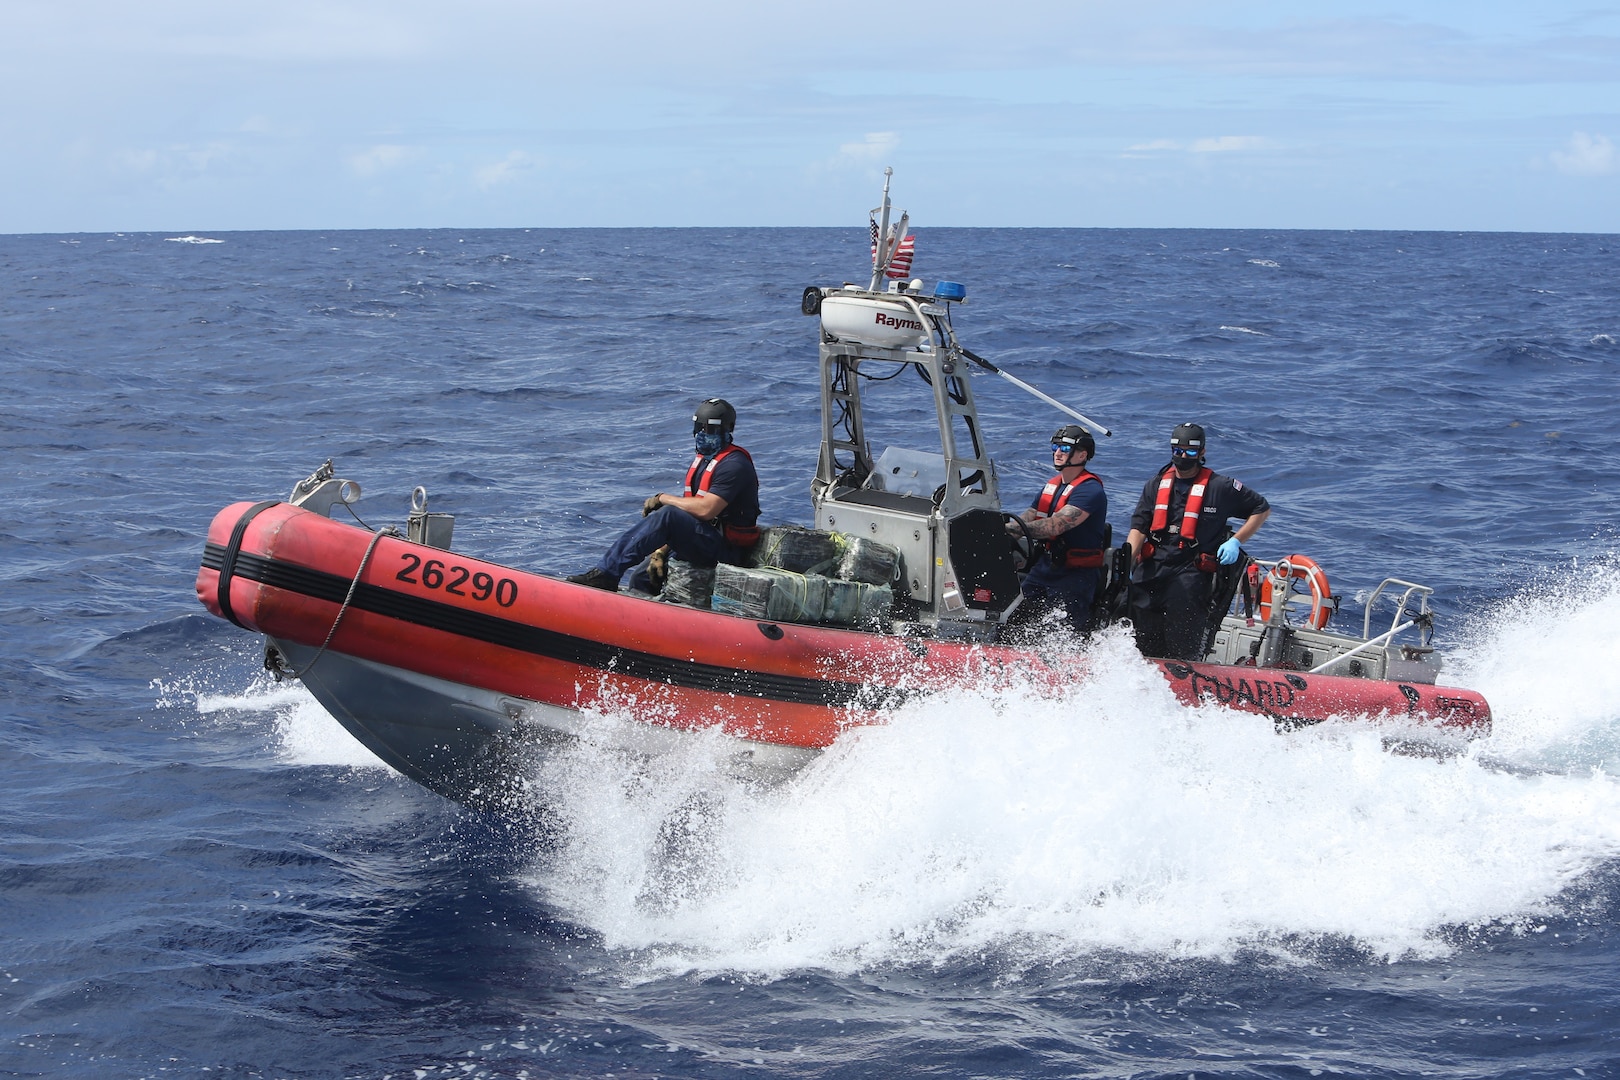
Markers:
887,500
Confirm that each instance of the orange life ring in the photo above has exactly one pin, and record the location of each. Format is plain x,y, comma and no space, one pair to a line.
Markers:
1299,568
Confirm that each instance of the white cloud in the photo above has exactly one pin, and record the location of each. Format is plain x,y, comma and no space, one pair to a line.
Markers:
1587,155
1222,144
877,146
137,161
1216,144
505,170
1155,145
175,162
379,159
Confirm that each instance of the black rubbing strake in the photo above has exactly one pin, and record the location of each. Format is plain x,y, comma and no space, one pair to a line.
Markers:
508,633
228,557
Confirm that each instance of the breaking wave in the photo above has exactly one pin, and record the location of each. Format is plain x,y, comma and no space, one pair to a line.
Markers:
1111,820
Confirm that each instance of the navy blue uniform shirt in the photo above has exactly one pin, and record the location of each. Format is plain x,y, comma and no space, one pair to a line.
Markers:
1225,499
1049,570
736,482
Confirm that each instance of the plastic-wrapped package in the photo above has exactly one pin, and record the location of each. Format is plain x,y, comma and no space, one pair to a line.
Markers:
688,584
867,560
769,593
876,602
856,603
797,549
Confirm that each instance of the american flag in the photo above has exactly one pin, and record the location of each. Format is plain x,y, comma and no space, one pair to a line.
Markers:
900,263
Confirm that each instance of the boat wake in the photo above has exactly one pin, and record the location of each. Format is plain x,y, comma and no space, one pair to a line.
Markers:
1111,820
1548,660
300,731
1029,829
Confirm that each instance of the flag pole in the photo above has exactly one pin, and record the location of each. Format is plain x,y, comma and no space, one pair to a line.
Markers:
900,231
880,258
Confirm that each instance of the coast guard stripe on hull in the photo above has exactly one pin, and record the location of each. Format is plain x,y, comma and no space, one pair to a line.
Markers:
523,637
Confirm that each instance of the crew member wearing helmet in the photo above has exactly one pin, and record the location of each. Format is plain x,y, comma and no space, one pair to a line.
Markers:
1179,535
714,519
1068,521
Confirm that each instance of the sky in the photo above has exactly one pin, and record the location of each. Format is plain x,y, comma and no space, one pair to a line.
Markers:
213,115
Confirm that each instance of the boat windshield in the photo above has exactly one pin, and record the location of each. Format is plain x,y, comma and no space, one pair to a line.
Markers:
907,472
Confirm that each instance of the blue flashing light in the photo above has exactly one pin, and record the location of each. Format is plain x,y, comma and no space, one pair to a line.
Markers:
950,290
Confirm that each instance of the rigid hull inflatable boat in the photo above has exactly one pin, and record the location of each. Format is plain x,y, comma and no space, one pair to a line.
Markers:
454,670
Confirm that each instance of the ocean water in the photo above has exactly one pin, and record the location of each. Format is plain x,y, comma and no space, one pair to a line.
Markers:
202,874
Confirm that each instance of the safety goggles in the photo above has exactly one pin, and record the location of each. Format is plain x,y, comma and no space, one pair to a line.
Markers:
1186,451
1064,448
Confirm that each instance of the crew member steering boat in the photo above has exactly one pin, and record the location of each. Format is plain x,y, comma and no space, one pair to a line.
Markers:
1068,521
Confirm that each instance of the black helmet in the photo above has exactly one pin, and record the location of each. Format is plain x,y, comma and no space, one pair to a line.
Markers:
715,415
1188,436
1075,438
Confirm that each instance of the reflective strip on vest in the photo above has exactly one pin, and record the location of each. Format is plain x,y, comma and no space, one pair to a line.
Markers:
1046,503
1189,516
708,473
1050,503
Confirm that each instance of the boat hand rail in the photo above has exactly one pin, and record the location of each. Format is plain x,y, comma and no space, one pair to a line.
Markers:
946,335
1363,647
1422,592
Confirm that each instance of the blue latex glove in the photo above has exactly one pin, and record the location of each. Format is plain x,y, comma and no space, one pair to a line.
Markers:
1227,553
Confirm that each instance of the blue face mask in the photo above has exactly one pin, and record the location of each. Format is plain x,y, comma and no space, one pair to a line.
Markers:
710,443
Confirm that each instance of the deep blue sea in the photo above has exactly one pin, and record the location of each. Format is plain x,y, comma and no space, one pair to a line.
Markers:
203,875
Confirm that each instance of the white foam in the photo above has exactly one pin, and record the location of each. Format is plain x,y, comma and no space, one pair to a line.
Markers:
308,735
193,240
1013,825
302,732
1245,330
1548,661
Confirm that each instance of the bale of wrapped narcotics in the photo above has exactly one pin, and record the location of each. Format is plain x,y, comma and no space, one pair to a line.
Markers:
871,561
876,603
741,590
688,584
797,549
768,593
856,603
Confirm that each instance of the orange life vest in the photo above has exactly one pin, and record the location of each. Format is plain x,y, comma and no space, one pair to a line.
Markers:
1054,497
1187,534
698,479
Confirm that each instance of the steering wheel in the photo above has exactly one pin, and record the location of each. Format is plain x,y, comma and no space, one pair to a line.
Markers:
1025,546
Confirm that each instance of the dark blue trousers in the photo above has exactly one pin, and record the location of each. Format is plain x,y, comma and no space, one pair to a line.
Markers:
691,540
1074,591
1170,612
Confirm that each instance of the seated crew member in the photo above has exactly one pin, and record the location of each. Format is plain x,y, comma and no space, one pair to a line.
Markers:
1178,536
1068,522
713,520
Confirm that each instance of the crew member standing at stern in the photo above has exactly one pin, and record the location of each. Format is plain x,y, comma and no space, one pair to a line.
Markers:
1179,535
713,520
1069,519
